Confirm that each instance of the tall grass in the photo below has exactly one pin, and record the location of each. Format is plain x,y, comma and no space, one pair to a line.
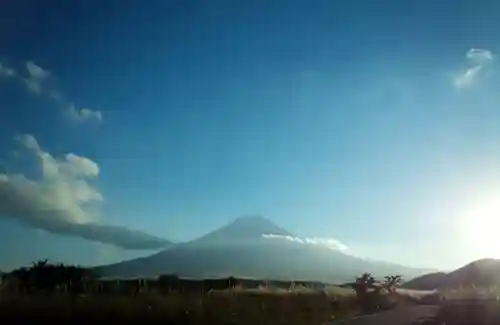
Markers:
245,307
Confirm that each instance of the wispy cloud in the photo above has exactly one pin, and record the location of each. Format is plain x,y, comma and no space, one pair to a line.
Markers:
39,81
82,114
63,200
479,56
478,59
6,71
330,243
36,77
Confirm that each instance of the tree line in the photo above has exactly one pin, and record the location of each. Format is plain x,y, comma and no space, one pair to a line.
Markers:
44,276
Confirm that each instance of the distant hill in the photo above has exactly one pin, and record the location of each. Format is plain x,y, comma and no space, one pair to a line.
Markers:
484,272
429,281
239,249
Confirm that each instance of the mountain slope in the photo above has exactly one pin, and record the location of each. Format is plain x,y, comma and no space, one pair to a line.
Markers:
240,250
248,228
484,272
429,281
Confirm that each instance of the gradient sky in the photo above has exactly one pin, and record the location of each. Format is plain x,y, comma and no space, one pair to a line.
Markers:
372,122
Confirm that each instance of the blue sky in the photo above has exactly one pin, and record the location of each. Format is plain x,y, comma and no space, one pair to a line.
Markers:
371,122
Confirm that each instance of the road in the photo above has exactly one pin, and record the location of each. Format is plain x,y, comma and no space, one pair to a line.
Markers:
410,315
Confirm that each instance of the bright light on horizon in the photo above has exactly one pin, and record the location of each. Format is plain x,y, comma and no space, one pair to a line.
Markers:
481,226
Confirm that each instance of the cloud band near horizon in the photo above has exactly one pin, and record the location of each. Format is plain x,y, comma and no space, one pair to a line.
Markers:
61,200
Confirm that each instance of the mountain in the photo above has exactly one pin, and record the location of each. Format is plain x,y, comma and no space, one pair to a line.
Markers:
429,281
239,249
248,228
484,272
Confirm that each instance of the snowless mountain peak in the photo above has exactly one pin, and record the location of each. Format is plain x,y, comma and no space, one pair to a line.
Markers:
245,227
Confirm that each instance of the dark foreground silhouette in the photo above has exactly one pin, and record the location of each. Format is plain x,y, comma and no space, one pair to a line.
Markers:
176,308
70,294
191,309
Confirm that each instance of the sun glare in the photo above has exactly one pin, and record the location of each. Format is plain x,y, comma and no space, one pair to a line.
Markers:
482,227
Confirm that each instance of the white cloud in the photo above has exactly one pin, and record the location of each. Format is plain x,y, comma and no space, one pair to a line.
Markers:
468,77
479,56
28,141
330,243
36,78
80,166
478,59
37,72
6,71
62,200
83,114
63,188
33,86
39,81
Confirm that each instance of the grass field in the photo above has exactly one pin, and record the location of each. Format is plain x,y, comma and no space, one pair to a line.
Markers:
245,306
276,306
219,308
472,293
192,303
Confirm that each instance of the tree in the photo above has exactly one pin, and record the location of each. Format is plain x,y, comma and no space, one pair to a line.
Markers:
74,278
44,276
24,279
368,293
49,277
231,282
362,284
391,282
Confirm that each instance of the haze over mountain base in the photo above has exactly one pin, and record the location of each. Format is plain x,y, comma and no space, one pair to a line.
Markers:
250,247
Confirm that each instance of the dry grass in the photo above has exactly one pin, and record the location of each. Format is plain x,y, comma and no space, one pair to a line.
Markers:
271,305
332,291
472,293
241,308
